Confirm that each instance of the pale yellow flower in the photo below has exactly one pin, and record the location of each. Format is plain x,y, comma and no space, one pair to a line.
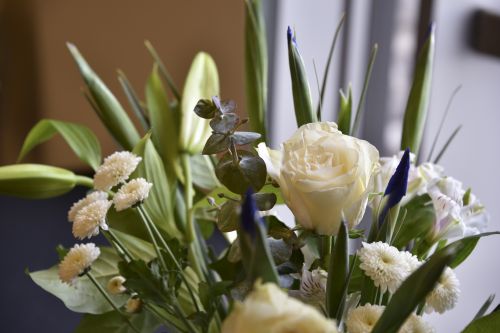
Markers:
90,198
363,318
269,309
90,218
131,193
115,169
77,261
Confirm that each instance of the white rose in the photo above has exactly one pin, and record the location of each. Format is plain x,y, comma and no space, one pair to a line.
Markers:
269,309
323,175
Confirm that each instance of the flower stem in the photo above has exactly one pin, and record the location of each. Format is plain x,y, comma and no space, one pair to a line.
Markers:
151,226
110,235
110,301
152,236
84,181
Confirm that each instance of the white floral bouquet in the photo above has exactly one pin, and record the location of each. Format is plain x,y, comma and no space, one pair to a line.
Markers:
193,180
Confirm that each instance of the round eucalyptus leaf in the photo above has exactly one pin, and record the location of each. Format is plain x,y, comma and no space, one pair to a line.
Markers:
216,143
225,122
249,172
229,216
205,109
265,201
244,138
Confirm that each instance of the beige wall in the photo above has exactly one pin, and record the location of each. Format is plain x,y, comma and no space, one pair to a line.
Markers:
39,78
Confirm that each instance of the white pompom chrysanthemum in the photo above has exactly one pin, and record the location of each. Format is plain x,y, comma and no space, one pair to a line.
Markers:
132,193
115,285
90,218
90,198
363,318
77,261
116,169
445,294
415,324
411,260
384,264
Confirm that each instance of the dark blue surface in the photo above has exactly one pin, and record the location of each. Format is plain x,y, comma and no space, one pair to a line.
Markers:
30,231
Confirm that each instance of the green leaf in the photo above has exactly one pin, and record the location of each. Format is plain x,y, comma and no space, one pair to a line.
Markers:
202,82
80,139
164,121
418,100
256,66
406,299
338,268
134,101
224,122
107,106
159,203
279,230
418,221
486,324
36,181
249,172
329,61
113,322
447,144
265,201
484,307
216,143
84,296
368,74
301,91
139,248
229,216
203,173
344,117
466,245
163,70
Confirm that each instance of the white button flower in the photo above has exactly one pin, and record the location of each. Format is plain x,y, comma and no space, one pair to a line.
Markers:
90,198
116,169
90,218
132,193
385,265
363,318
77,261
445,294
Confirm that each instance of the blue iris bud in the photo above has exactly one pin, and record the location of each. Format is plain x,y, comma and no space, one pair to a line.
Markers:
249,215
397,186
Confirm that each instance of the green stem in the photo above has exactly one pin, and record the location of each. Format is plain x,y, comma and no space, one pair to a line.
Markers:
152,227
326,246
110,301
181,314
162,319
118,243
84,181
153,238
194,251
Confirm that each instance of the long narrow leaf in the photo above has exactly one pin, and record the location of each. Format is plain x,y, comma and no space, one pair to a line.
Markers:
447,143
109,109
166,75
486,324
418,100
344,116
484,307
441,124
134,101
338,268
300,85
256,66
80,139
406,299
368,74
328,62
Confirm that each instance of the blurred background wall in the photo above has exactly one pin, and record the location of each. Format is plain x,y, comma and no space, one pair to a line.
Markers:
38,79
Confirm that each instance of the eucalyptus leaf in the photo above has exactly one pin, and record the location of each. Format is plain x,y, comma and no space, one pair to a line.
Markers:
249,172
265,201
229,216
107,106
245,138
225,122
205,109
83,296
80,139
418,100
113,322
36,181
216,143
